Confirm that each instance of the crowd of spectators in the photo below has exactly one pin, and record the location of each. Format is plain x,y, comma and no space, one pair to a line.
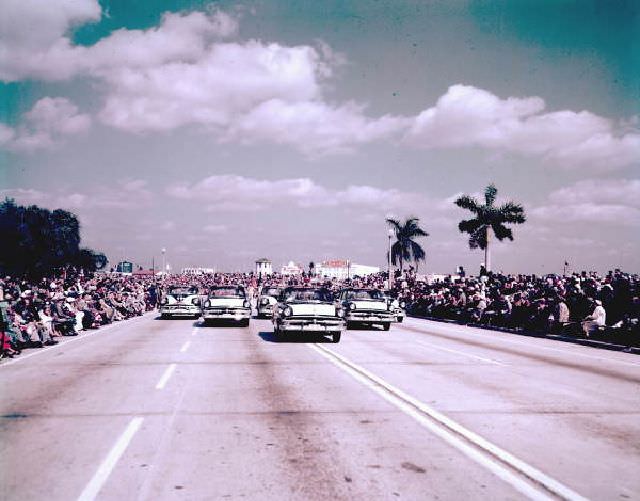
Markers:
584,303
36,313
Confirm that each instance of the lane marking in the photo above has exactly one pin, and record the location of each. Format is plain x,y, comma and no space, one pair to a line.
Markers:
106,467
165,376
66,342
500,462
185,346
483,359
419,322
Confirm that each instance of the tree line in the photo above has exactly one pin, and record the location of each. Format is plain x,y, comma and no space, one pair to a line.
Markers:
37,241
489,222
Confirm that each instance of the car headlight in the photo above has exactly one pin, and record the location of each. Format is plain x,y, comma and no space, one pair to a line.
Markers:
402,304
287,312
264,301
351,306
164,301
339,312
195,301
247,303
207,303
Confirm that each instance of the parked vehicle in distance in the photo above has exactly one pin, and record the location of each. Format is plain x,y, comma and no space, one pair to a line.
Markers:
266,301
308,309
180,302
227,302
367,307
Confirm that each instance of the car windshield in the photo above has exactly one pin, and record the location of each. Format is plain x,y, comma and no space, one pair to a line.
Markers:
182,291
364,294
271,291
321,295
226,292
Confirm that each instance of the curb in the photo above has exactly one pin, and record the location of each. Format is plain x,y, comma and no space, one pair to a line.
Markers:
603,345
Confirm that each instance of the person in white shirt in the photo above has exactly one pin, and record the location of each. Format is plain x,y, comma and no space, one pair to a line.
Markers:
596,319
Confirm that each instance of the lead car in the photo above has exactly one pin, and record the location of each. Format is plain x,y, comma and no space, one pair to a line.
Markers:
227,302
367,307
304,309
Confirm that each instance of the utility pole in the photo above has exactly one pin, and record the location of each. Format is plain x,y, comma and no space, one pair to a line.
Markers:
390,279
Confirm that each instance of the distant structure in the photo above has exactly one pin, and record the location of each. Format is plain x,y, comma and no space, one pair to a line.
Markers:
197,271
263,267
343,268
291,269
124,267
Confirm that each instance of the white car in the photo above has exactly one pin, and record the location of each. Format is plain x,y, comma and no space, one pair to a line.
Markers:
367,307
227,302
180,302
266,301
308,309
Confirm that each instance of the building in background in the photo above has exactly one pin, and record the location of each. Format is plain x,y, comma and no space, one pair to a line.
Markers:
124,267
197,271
343,268
263,267
291,269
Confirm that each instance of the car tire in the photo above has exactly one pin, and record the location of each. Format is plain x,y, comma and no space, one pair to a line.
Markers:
336,337
350,325
164,316
386,326
400,319
244,322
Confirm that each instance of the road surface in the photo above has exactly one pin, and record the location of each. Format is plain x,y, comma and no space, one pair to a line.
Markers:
151,409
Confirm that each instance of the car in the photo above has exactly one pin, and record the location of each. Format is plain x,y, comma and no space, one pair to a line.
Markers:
399,308
367,307
266,300
180,302
308,309
227,302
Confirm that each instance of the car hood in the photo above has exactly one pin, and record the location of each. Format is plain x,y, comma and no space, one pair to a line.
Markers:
370,304
304,309
225,302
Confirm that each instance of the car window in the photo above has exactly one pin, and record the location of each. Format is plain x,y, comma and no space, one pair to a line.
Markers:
308,295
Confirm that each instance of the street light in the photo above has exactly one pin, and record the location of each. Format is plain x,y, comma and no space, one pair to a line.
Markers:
391,234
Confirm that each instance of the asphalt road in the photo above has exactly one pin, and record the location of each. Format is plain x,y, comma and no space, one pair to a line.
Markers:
152,409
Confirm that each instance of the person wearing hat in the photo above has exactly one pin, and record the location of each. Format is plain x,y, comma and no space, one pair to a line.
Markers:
597,319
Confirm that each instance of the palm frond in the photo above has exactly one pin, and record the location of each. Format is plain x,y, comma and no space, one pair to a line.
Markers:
417,252
511,212
490,193
501,232
469,225
467,202
478,239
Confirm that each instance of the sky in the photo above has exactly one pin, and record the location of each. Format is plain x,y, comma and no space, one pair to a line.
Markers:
229,131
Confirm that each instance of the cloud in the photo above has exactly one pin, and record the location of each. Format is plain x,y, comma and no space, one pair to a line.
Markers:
238,193
132,194
214,228
611,201
47,53
466,116
46,124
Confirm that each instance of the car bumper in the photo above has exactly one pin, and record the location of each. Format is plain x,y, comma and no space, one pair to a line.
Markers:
310,325
227,314
370,317
184,311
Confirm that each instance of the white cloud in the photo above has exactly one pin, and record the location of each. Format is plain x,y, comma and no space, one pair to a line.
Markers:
47,123
612,201
466,116
214,228
47,53
238,193
129,194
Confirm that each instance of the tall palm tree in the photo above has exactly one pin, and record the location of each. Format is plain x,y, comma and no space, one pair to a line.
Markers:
489,220
405,248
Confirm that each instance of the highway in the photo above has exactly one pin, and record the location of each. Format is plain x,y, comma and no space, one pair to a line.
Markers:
154,409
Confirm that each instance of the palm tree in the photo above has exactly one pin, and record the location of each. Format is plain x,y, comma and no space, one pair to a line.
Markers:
489,220
405,248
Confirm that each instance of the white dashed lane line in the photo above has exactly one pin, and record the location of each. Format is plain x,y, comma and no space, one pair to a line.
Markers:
165,377
106,467
185,346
